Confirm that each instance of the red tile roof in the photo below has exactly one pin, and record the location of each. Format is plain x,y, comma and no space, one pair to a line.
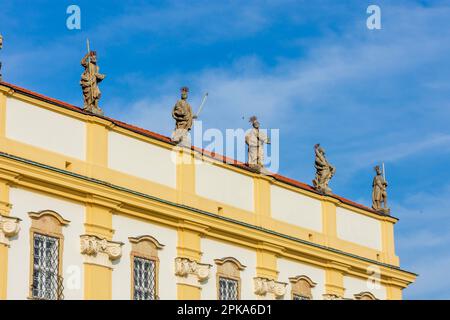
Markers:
166,139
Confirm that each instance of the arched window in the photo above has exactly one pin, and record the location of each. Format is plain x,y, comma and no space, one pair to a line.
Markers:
365,296
228,278
144,268
301,288
46,255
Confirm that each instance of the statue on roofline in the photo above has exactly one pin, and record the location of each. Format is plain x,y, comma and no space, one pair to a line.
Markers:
379,193
255,140
324,171
183,116
90,79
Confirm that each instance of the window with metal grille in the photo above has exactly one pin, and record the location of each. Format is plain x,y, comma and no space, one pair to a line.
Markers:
144,279
228,289
47,284
299,297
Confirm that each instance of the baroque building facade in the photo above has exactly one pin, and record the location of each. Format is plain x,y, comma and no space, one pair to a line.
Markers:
94,208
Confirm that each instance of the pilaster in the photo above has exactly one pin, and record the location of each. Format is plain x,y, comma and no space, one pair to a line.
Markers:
98,249
189,271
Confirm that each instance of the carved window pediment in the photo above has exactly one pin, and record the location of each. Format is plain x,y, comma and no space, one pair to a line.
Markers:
365,296
302,288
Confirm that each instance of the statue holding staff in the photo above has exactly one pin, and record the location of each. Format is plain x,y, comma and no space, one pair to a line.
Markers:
379,193
90,79
324,171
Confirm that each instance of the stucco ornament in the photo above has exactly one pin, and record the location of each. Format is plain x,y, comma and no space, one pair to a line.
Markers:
269,288
324,171
191,272
100,251
9,227
255,140
379,192
90,78
183,116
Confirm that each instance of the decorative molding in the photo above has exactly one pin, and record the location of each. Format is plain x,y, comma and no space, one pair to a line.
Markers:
100,251
54,214
9,227
302,286
223,261
365,296
155,242
191,272
269,288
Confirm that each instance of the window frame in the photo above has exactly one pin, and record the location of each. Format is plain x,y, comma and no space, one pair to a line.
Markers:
47,223
296,288
145,247
229,268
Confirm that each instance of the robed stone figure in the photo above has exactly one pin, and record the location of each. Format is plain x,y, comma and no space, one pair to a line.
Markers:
255,140
324,171
379,193
90,79
182,114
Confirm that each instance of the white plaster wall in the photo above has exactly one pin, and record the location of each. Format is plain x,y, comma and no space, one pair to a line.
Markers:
126,227
45,129
224,186
141,159
295,208
25,201
289,269
358,228
213,249
355,285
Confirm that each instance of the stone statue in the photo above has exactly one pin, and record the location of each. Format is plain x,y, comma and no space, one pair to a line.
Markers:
89,83
1,47
255,140
324,171
182,113
379,194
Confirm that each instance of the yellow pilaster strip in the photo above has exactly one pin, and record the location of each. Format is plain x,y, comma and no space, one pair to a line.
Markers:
329,226
394,292
97,282
262,198
185,176
266,261
2,113
96,145
98,279
3,271
189,246
388,243
187,292
5,208
334,279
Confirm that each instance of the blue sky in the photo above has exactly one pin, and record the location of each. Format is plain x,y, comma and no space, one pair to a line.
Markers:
310,68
